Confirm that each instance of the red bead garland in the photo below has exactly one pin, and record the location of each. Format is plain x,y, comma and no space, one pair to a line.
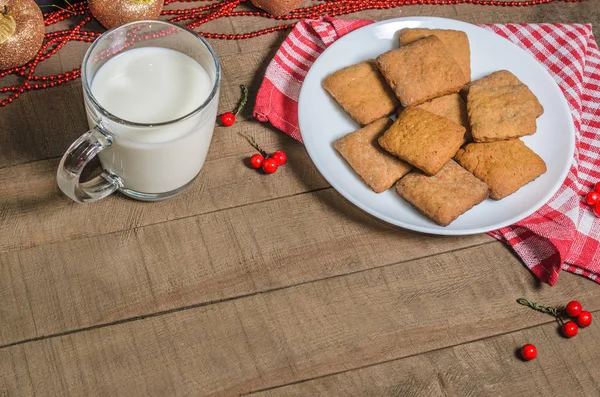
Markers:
196,17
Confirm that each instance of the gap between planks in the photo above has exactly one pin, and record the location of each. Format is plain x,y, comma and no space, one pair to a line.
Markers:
27,138
232,298
134,228
35,208
274,388
288,335
283,388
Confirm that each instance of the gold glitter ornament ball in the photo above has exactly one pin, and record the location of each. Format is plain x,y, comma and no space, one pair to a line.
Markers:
21,32
111,13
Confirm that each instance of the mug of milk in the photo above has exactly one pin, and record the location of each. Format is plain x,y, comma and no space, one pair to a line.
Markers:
151,91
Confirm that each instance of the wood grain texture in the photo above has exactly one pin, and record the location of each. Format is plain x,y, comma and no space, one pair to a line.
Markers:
489,367
296,333
47,132
38,213
248,282
33,211
76,284
42,124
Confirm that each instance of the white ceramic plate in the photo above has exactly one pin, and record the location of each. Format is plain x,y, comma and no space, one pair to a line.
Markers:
322,121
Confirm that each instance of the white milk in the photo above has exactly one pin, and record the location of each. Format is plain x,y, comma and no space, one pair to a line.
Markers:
154,85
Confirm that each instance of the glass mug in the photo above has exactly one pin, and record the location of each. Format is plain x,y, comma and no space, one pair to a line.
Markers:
151,92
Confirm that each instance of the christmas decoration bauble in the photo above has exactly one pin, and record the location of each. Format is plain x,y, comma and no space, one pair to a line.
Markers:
21,32
111,13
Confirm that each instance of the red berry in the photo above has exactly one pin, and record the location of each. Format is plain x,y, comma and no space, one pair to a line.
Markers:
570,329
597,187
256,161
227,119
573,308
269,165
592,198
528,352
281,158
597,210
584,319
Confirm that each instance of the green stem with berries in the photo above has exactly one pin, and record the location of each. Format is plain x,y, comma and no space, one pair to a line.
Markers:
243,100
254,144
543,309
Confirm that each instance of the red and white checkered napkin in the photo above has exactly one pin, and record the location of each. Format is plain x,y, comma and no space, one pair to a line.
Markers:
564,233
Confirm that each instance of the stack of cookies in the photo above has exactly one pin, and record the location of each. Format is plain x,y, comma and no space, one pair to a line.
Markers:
454,142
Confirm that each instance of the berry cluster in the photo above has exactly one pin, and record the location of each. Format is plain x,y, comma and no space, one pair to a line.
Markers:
269,164
593,198
582,317
569,329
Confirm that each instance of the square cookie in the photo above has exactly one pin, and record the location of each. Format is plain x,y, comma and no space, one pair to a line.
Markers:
444,196
423,139
420,71
498,113
377,168
451,107
505,166
361,90
499,78
455,41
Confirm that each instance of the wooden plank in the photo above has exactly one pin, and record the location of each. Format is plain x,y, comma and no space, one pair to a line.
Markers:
30,131
49,129
583,12
296,333
482,368
35,141
447,11
41,124
272,41
77,284
29,139
33,211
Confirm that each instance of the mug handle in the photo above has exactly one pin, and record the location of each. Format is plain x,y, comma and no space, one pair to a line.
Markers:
79,154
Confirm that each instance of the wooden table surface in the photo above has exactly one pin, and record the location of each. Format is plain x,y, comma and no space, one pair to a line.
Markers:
247,283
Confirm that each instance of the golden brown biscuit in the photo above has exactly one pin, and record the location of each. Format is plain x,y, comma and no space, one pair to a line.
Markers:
500,78
421,71
498,113
451,107
444,196
505,166
423,139
455,41
377,168
362,92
